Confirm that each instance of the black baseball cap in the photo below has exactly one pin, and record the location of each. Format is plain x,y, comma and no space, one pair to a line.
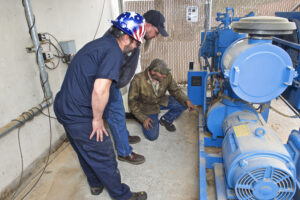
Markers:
155,18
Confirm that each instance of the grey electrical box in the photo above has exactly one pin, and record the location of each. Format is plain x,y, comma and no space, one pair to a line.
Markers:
68,47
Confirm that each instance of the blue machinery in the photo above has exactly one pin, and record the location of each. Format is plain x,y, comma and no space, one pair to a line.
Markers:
291,44
245,71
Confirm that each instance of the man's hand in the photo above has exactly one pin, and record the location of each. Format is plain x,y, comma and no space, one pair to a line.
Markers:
98,127
148,124
190,105
100,97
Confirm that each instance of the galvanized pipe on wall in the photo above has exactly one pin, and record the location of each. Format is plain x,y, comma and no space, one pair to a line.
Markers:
24,117
34,36
28,115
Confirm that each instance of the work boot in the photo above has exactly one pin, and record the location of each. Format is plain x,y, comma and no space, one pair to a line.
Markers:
132,158
96,190
138,196
169,126
134,139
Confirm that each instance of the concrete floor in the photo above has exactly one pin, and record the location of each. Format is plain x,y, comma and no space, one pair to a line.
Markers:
170,170
169,173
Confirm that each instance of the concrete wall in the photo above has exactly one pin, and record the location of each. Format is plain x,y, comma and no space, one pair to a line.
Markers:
20,86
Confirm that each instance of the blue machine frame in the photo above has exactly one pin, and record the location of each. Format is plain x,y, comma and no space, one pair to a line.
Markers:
215,45
291,44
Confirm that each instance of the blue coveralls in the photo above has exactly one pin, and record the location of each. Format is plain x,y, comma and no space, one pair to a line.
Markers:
100,58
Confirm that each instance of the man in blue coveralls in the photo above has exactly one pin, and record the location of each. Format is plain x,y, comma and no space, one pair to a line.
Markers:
84,99
153,27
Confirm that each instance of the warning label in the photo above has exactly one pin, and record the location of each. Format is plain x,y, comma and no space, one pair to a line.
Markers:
242,130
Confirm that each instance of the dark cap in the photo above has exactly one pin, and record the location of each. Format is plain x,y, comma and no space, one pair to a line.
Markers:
160,66
155,18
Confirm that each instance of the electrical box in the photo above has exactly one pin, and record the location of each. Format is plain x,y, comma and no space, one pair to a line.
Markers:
69,50
68,47
196,86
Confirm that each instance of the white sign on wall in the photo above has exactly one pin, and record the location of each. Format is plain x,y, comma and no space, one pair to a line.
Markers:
192,13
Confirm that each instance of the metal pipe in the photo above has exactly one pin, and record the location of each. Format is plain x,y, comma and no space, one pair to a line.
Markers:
121,6
295,7
287,43
205,86
208,13
24,117
28,115
290,106
207,27
40,60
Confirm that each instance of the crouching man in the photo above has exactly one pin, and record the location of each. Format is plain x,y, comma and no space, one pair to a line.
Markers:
147,96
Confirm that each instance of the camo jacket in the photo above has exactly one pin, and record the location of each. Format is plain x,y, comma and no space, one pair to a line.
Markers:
142,99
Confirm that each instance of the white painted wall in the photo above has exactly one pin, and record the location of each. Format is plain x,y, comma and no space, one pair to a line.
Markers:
19,75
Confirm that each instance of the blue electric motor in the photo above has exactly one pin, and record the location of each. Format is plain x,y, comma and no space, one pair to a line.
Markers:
293,146
257,164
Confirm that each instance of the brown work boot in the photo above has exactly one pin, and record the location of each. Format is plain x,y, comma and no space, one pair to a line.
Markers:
96,190
133,139
138,196
132,158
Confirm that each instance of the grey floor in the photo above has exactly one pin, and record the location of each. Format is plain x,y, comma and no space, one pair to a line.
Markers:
170,170
169,173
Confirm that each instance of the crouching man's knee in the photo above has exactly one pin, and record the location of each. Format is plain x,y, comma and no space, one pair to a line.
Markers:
151,134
